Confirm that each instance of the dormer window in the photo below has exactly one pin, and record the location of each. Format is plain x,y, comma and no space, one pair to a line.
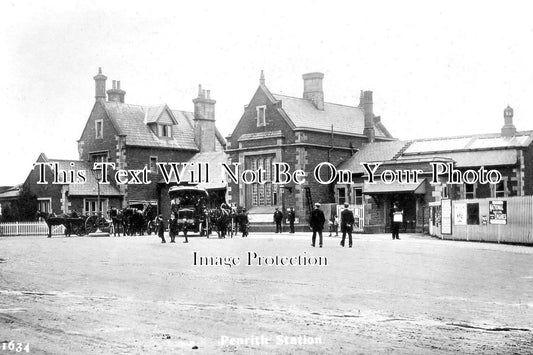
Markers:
164,130
261,116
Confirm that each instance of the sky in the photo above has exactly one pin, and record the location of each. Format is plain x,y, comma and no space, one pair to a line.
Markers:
436,68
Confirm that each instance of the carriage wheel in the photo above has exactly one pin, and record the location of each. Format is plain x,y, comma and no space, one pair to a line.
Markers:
93,223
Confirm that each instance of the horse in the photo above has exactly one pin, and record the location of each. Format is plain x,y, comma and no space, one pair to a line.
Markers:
149,214
52,220
220,219
133,221
117,218
242,222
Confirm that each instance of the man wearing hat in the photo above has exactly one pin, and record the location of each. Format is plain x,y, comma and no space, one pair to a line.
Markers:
291,217
278,218
347,221
316,222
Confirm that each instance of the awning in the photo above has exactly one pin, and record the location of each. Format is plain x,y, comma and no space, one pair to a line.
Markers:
395,187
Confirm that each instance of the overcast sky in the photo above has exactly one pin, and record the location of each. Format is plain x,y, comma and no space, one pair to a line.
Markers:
435,71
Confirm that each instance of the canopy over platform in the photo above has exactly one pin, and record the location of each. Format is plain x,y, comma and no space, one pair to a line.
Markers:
395,187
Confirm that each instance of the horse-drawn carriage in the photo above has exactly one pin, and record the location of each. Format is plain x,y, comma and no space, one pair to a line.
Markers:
188,205
75,223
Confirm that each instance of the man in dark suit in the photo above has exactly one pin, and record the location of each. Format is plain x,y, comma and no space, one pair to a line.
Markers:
347,221
291,216
278,218
396,219
161,228
316,222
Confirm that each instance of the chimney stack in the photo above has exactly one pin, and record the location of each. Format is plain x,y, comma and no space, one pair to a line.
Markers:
313,89
367,104
262,78
204,121
116,94
99,81
508,129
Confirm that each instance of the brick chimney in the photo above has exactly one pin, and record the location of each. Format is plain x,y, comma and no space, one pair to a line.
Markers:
367,104
116,94
313,89
508,129
204,121
99,84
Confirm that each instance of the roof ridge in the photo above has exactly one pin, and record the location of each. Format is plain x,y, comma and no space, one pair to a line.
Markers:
325,102
145,106
478,135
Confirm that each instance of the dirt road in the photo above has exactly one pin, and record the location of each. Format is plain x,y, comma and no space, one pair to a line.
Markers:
134,295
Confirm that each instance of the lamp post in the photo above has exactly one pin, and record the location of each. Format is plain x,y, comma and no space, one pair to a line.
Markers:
98,176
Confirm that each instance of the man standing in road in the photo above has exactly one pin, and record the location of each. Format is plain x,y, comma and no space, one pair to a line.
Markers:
316,222
291,217
397,220
278,218
347,221
161,228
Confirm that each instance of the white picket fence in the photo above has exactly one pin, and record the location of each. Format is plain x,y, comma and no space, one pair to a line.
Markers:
29,228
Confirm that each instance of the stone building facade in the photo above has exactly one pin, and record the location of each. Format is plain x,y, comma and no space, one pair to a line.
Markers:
302,132
135,137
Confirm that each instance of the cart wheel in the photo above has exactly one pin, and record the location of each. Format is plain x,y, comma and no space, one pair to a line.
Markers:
91,224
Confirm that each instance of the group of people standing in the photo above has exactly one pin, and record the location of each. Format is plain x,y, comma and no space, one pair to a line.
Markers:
317,220
278,219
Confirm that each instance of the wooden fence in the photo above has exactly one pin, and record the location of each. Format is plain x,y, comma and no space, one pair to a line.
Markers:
28,228
517,229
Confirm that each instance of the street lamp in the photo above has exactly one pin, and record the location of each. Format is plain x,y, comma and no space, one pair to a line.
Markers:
98,176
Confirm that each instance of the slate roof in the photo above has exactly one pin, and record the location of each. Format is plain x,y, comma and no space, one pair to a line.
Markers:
10,192
465,151
372,152
345,119
476,158
133,121
217,179
89,188
486,141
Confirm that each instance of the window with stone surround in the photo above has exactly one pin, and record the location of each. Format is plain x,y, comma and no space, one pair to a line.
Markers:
265,194
153,164
100,157
261,115
99,128
90,206
44,204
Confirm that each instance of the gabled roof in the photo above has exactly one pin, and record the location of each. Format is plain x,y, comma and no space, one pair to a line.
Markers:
465,151
345,119
154,114
133,122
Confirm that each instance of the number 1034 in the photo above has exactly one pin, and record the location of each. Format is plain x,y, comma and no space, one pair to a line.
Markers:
15,347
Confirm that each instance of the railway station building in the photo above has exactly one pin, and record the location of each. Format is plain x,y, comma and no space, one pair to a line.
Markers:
302,132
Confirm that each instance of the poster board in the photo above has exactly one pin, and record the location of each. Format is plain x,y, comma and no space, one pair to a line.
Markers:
497,212
460,214
446,216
